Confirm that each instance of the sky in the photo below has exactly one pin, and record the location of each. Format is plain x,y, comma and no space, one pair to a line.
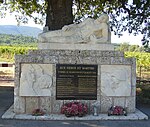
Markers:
131,39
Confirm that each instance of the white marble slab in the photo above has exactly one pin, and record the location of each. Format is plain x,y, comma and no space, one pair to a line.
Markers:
115,80
36,80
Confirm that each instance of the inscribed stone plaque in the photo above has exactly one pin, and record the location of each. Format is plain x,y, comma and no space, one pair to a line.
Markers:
36,80
76,81
116,80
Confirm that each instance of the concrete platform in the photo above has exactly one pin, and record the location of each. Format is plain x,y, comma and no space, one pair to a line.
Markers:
138,115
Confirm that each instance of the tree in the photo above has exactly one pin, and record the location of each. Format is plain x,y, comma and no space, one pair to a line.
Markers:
134,48
124,47
125,15
59,13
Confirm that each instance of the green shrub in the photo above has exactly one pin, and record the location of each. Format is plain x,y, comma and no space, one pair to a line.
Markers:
143,93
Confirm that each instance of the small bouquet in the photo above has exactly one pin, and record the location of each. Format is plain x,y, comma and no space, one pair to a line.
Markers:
38,112
117,110
74,109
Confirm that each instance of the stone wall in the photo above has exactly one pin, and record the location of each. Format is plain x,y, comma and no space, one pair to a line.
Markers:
113,70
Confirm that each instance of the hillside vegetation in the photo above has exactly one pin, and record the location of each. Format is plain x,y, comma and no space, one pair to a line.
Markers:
6,39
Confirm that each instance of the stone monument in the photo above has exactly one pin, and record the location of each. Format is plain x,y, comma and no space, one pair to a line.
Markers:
88,35
77,63
89,31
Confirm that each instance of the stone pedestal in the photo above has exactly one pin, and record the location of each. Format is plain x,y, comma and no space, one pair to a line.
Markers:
35,79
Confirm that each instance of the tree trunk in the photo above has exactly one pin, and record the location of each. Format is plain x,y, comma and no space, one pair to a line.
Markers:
59,13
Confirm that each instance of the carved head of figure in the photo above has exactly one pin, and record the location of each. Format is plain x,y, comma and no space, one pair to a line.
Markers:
103,18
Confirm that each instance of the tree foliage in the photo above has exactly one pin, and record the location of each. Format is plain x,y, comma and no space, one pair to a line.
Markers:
125,15
125,47
142,59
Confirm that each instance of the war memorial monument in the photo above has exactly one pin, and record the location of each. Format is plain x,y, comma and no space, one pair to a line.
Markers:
77,63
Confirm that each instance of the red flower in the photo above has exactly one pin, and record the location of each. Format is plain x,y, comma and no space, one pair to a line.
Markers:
117,110
74,109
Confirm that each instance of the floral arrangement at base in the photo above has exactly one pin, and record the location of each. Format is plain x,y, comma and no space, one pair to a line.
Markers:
38,112
74,109
117,110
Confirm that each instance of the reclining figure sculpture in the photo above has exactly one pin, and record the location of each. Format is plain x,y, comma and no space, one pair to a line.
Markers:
89,31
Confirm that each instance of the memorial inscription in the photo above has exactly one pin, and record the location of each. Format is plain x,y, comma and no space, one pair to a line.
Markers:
76,81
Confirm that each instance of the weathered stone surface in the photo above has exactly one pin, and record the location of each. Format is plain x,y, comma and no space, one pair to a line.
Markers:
36,80
98,93
19,105
99,71
106,103
17,75
133,91
116,80
118,54
32,103
50,59
133,79
53,92
56,105
119,101
67,60
45,104
107,53
73,53
54,72
32,58
116,60
104,60
128,61
16,91
85,60
130,104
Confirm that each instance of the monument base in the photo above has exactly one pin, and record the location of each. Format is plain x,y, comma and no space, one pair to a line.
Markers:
36,80
138,115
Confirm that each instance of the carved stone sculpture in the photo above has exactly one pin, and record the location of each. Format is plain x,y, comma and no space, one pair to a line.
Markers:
35,81
88,31
116,80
